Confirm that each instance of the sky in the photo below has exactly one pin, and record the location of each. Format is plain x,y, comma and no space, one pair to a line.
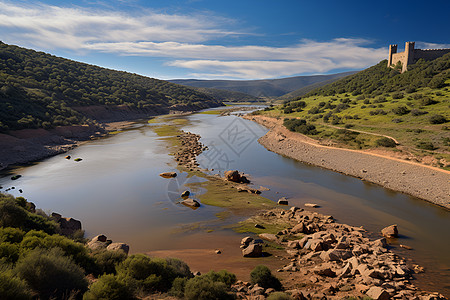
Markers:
228,39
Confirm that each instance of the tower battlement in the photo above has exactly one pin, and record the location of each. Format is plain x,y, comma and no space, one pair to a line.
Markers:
412,55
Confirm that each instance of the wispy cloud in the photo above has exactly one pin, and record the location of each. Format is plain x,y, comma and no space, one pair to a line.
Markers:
184,40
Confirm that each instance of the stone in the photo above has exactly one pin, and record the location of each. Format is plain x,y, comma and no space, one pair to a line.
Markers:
259,226
269,237
313,205
218,252
390,231
257,290
299,228
101,238
293,244
96,245
168,174
283,201
380,243
68,226
118,246
253,250
67,157
378,293
232,175
325,270
185,194
246,241
191,203
405,247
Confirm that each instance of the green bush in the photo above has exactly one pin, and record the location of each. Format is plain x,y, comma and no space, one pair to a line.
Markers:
12,287
385,142
178,285
438,119
300,126
150,274
51,274
262,276
400,110
222,276
426,146
106,261
9,253
203,288
108,287
11,235
279,296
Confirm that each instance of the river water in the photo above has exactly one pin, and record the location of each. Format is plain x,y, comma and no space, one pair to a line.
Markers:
116,190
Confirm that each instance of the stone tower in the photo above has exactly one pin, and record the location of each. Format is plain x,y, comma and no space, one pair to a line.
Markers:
409,55
392,50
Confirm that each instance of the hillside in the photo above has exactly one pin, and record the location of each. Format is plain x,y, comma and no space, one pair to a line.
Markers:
378,107
38,90
268,88
228,96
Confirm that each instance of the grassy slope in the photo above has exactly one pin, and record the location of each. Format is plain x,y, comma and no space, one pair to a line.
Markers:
412,90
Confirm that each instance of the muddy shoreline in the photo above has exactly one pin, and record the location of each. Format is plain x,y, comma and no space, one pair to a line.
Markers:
424,182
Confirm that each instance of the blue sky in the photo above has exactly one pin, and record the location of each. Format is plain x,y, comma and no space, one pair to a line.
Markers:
244,39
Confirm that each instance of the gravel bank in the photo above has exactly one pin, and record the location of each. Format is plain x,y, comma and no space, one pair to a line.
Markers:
428,183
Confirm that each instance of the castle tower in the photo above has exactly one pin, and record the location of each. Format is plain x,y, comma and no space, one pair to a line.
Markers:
392,50
409,55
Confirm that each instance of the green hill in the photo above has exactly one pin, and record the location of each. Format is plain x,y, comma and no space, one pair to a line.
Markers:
266,88
38,90
228,96
413,108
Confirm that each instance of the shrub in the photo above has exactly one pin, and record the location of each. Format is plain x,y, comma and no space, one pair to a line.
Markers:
11,235
178,285
299,125
427,101
262,276
400,110
9,253
397,95
223,276
51,274
385,142
279,296
438,119
203,288
12,287
106,261
426,146
417,112
150,274
108,287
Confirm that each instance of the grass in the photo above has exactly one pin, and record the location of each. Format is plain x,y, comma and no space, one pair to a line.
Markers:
212,112
409,129
271,225
222,194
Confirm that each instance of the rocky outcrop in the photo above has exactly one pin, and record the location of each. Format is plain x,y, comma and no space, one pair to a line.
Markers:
335,260
235,176
191,203
390,232
68,226
101,242
189,149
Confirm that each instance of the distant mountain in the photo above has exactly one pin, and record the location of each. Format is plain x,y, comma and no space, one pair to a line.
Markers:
39,90
266,88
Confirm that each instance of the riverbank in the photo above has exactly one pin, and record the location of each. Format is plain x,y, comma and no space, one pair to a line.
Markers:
425,182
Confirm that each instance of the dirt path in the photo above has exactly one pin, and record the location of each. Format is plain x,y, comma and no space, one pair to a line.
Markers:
425,182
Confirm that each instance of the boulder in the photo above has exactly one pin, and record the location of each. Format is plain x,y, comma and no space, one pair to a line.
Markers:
378,293
246,241
101,238
232,175
168,174
67,157
96,245
311,205
390,231
283,201
118,246
335,255
269,237
299,228
68,226
191,203
325,270
380,243
185,194
253,250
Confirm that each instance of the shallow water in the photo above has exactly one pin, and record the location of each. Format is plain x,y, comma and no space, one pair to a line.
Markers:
116,190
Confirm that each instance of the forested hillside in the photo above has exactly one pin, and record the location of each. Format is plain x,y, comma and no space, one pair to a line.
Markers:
380,107
41,90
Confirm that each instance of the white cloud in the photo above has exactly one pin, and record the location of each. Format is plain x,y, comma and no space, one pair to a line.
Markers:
181,39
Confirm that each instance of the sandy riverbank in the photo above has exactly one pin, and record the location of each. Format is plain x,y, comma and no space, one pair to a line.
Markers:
425,182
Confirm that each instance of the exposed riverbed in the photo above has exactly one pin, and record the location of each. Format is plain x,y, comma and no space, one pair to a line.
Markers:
116,190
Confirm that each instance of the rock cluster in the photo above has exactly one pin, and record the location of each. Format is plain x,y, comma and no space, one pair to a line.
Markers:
68,226
332,260
235,176
251,247
101,242
189,149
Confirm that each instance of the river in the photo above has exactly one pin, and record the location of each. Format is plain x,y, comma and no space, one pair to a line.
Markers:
116,190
